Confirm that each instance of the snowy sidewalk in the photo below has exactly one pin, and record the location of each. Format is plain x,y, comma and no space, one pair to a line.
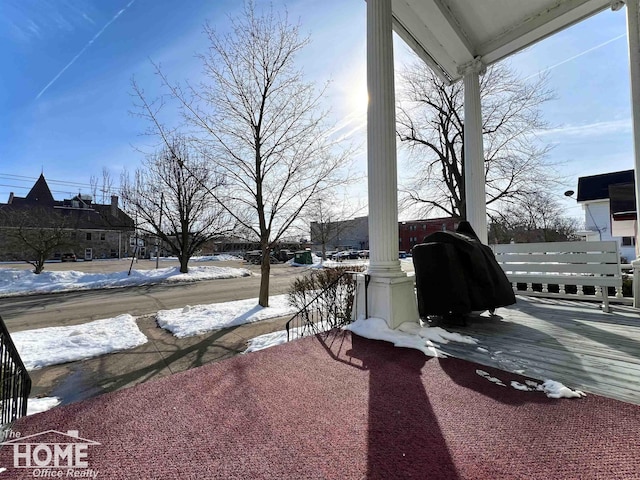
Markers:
164,354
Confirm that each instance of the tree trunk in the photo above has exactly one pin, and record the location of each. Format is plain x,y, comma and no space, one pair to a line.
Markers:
39,264
184,264
265,269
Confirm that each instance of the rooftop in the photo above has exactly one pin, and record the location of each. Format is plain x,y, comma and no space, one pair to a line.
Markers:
596,187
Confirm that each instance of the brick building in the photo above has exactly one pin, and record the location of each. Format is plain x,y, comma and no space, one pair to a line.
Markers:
413,232
354,234
95,230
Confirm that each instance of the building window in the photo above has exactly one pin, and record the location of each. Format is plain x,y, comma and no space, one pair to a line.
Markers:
103,236
88,236
628,241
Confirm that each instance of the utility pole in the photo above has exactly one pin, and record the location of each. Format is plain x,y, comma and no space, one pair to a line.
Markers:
159,228
135,248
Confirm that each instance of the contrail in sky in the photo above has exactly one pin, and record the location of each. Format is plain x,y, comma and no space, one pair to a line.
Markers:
95,37
578,55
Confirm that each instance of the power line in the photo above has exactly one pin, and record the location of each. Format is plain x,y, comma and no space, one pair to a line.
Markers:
29,188
73,186
23,178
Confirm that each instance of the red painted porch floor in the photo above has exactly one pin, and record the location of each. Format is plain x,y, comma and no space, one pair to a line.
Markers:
343,407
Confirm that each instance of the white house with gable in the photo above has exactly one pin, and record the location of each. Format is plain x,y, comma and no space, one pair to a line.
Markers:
608,201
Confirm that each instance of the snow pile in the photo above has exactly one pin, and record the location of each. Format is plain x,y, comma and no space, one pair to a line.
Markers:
20,282
272,339
222,257
268,340
39,405
409,335
435,334
53,345
551,388
189,321
428,339
488,376
522,387
555,389
209,273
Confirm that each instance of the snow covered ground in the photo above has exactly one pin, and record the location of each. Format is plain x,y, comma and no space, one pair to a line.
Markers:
198,319
24,282
50,346
221,257
42,404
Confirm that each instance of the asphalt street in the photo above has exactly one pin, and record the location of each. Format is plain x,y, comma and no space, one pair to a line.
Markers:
57,309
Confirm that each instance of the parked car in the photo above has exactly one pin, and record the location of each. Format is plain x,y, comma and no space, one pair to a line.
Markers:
255,257
285,255
339,256
345,255
68,257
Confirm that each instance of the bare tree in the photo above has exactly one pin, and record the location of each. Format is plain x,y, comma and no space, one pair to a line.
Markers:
35,234
93,182
431,126
537,217
170,201
107,185
264,126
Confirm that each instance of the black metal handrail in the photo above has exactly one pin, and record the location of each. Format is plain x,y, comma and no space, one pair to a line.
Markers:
15,383
330,308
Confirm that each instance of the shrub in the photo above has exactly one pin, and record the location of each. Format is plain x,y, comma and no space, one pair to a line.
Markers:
325,295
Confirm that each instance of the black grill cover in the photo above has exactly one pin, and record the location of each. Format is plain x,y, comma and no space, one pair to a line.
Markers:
457,274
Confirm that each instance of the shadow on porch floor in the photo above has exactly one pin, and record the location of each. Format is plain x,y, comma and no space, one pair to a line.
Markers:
572,342
340,406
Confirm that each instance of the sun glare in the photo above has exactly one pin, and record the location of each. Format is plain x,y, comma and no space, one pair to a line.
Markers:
358,98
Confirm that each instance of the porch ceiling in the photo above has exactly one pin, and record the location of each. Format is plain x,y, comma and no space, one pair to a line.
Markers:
449,33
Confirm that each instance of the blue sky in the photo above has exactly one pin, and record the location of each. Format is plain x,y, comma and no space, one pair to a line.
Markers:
65,93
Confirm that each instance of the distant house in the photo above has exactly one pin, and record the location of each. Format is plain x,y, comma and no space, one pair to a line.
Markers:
96,230
609,205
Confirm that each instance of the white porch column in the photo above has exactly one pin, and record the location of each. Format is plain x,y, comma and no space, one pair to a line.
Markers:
474,177
633,35
390,294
